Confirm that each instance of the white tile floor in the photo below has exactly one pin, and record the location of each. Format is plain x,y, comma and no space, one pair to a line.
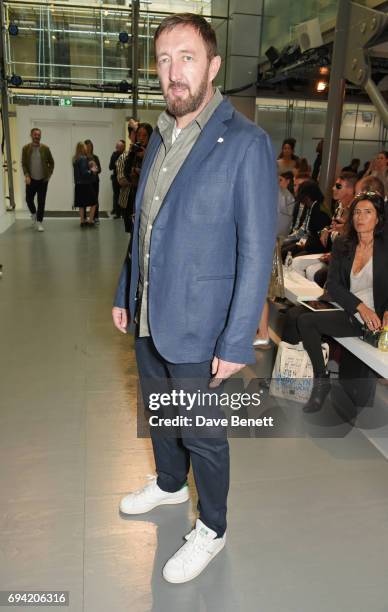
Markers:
308,526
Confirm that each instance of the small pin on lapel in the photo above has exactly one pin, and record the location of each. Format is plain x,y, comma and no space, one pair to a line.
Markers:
220,140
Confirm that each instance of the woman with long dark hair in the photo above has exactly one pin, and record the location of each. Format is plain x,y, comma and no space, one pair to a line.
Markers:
357,281
287,159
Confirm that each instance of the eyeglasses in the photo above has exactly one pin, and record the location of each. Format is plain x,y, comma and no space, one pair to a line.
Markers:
338,186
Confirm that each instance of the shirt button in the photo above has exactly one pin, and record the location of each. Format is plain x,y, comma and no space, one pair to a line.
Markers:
156,198
146,284
150,227
164,169
147,256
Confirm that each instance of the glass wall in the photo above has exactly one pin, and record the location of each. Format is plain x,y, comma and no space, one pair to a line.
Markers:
88,48
362,131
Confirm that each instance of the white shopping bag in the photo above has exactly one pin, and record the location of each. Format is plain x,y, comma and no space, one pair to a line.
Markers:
292,375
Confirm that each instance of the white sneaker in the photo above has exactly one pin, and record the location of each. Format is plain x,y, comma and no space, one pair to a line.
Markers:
40,227
189,561
33,220
150,496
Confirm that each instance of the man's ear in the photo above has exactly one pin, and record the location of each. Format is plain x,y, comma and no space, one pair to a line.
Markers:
214,67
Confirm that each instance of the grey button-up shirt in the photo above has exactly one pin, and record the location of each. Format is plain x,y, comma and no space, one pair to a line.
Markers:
37,172
165,168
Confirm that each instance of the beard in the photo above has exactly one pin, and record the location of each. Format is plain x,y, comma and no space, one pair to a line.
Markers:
179,107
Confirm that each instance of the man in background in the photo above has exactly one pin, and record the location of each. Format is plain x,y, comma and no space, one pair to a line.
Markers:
132,126
119,150
38,166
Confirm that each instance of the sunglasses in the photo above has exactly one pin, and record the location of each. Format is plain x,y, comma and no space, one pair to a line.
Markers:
368,194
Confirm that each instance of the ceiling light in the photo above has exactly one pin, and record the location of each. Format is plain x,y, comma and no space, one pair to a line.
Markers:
321,86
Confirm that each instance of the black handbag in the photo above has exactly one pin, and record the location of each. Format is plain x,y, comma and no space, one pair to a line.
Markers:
370,337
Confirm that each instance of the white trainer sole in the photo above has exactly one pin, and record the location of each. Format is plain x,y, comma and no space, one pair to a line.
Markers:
198,572
166,502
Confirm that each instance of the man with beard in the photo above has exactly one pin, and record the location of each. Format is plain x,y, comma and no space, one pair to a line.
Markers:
38,166
198,273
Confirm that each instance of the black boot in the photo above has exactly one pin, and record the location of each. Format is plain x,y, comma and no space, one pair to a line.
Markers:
319,393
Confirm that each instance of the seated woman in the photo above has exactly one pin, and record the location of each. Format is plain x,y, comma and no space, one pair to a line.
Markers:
356,281
318,271
286,181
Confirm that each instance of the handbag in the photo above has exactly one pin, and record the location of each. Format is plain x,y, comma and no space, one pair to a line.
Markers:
370,337
292,374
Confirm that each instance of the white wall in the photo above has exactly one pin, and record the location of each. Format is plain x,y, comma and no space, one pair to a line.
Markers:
2,199
6,218
61,129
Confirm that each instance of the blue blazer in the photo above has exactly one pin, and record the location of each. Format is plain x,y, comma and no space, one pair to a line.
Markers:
211,245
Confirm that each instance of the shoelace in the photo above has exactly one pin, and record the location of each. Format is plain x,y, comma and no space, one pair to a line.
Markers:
152,482
196,543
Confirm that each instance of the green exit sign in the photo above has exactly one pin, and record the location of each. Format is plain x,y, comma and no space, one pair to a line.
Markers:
65,102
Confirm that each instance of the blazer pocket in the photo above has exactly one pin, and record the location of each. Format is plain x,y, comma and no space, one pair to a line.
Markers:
214,277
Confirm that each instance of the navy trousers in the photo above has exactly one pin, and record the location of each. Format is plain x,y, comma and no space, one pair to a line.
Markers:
209,457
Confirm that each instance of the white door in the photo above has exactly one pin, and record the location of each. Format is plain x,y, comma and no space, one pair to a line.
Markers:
62,137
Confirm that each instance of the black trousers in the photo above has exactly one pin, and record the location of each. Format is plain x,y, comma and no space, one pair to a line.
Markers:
309,327
40,188
313,245
209,457
320,277
117,210
96,188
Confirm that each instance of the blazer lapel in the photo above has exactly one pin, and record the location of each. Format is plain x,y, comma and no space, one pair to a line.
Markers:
207,140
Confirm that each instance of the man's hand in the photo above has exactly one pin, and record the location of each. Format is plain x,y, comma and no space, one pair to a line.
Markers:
222,370
27,180
120,318
338,226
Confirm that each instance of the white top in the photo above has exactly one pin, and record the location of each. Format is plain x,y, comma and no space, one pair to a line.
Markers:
361,285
